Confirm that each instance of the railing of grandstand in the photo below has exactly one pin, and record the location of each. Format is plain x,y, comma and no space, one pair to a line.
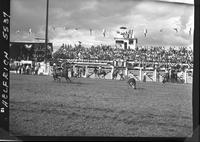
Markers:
132,62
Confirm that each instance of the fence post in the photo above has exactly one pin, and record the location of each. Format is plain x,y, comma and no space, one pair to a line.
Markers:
185,76
86,71
155,75
140,74
112,70
126,71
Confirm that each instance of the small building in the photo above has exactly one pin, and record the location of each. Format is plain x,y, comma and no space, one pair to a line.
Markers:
30,53
125,39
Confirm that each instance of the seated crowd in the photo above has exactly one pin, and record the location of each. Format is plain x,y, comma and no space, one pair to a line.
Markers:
106,52
141,53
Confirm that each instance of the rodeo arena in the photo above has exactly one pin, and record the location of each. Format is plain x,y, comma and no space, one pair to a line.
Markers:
103,90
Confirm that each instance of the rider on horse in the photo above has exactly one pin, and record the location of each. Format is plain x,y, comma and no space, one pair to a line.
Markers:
166,77
115,73
59,72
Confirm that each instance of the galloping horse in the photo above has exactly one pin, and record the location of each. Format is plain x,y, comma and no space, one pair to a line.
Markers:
101,72
59,72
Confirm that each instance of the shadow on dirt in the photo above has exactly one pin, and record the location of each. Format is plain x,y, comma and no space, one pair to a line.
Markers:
72,82
140,88
137,88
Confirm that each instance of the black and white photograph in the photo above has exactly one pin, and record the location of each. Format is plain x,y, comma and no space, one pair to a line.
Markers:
101,68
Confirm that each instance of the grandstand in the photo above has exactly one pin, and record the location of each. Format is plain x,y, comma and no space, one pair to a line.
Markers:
141,59
135,61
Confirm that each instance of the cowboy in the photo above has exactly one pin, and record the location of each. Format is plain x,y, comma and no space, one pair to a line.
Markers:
27,69
54,65
144,77
166,77
72,72
95,71
36,69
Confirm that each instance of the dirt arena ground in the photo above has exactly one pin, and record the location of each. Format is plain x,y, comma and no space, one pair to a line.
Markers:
40,106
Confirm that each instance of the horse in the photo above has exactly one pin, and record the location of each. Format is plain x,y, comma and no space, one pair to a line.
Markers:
174,78
165,78
101,72
61,72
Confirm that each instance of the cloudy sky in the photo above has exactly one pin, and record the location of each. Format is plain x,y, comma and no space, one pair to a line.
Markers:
70,21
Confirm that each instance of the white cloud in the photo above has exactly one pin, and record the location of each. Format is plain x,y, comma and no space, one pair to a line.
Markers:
60,13
100,14
89,5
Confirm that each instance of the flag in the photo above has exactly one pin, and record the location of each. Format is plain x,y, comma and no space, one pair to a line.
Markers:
145,32
104,32
29,31
176,29
90,31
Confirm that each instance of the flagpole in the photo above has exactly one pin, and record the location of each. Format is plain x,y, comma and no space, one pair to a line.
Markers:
46,33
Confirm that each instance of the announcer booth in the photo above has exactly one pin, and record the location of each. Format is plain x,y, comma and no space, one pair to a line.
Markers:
125,39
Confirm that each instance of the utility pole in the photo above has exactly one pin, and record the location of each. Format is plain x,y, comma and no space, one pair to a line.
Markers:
46,33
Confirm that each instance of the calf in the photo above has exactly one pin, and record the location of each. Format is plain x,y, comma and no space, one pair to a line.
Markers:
132,83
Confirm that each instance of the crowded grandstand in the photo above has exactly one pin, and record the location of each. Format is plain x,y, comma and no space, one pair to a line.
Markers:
30,60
